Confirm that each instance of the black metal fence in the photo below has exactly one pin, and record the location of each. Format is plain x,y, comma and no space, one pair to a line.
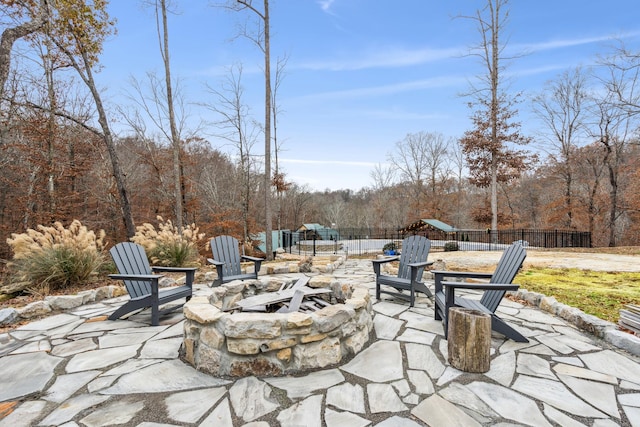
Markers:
363,241
530,237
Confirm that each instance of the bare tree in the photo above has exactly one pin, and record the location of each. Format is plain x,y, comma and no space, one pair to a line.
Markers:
622,78
163,39
617,112
297,200
162,104
459,163
382,176
382,195
410,161
561,107
420,159
39,15
590,171
239,130
82,44
334,212
263,41
438,169
614,130
279,178
490,159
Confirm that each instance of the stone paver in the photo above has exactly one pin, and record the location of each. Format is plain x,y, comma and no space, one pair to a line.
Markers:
436,411
190,406
348,397
27,373
381,362
383,398
66,370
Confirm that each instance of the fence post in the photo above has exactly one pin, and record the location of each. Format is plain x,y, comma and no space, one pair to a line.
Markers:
314,244
285,241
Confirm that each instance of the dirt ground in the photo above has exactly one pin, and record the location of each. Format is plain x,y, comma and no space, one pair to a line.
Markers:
597,261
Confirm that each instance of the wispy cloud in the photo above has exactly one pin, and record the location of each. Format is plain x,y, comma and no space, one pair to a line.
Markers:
435,82
399,114
386,57
325,5
328,162
395,57
564,43
544,69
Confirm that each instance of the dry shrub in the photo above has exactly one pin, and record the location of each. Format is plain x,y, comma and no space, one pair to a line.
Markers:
55,257
166,246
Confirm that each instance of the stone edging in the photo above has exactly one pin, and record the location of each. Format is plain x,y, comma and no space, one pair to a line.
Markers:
603,329
11,315
51,303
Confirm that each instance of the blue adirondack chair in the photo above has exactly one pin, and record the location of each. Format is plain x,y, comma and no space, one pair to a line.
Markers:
413,260
499,283
227,259
142,284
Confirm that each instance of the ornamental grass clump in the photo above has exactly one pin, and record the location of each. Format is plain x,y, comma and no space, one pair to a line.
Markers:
55,257
166,246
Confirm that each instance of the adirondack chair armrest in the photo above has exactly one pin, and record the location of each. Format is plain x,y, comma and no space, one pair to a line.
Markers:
190,272
153,278
450,288
251,258
481,286
219,268
145,277
257,262
420,264
465,274
415,267
378,262
386,259
174,269
439,275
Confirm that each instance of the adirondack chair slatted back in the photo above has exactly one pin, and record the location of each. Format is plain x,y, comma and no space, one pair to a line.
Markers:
130,258
225,249
414,249
506,270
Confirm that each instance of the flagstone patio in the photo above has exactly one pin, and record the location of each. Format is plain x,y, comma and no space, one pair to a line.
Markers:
74,369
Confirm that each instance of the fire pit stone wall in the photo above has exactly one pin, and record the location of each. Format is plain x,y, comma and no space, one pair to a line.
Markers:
291,263
236,344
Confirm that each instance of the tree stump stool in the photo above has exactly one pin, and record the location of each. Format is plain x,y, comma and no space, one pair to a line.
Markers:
469,339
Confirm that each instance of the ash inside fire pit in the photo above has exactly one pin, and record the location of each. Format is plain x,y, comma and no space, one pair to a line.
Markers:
271,327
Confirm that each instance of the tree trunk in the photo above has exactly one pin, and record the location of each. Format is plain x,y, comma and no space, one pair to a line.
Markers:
494,203
495,105
567,197
51,130
175,137
123,195
267,123
613,210
469,340
613,192
267,136
83,68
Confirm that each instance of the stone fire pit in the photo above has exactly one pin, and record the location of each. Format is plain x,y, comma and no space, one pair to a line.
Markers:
223,342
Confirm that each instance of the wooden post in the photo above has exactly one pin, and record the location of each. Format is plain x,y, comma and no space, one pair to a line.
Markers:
469,339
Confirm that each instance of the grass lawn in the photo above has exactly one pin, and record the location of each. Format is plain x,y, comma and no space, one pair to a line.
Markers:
599,293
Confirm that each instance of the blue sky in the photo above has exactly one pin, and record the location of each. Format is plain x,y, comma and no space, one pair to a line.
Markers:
361,74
